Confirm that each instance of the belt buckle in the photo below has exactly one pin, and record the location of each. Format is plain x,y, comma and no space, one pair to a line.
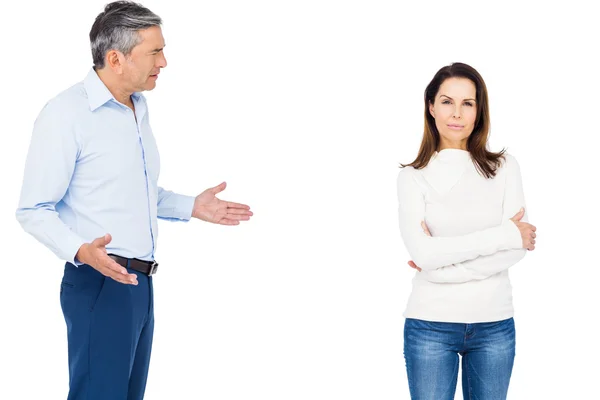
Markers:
153,268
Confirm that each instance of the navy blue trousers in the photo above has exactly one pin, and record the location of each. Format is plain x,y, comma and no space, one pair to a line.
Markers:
109,330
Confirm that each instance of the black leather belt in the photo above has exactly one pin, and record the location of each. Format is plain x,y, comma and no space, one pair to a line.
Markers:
145,267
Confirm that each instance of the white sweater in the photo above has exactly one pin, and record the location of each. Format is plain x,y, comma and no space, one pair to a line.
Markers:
465,262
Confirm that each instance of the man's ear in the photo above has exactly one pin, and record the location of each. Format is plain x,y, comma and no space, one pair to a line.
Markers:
115,60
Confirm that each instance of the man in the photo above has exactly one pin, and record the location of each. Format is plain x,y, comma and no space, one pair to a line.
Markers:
90,194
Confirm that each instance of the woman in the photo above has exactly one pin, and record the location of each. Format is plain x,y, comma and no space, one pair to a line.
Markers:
463,222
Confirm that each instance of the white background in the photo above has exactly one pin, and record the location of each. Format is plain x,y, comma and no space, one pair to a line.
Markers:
306,108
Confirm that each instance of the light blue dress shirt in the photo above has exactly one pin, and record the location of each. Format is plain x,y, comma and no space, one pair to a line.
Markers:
92,169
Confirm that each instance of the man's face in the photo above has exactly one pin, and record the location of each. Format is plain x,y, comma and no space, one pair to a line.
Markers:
143,65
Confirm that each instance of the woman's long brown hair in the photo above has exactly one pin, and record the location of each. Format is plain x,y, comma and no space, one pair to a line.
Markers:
485,161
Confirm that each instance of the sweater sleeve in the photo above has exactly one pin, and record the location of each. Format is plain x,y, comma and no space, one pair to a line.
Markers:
431,253
485,266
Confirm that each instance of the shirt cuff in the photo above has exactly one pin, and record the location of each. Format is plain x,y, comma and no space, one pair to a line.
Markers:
71,249
184,207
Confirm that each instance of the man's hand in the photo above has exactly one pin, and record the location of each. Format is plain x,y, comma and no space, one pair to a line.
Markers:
209,208
426,230
94,254
527,230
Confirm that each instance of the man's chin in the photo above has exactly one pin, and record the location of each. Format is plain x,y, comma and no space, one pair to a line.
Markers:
148,86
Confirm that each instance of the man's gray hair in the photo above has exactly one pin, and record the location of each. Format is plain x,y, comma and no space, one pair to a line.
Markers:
116,28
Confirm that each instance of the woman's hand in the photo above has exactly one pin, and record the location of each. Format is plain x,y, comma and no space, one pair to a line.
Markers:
527,230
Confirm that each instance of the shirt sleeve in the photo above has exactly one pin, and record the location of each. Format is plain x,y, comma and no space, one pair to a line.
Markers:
430,253
173,206
49,166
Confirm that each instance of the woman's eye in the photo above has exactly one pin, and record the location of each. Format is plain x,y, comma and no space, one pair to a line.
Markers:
446,102
469,104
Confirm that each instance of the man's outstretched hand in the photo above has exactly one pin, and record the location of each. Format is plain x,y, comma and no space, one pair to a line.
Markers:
209,208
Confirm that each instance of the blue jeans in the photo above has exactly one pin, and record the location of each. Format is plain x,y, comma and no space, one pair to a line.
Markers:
431,351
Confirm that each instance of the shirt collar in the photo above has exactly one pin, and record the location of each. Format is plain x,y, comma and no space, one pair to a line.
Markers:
97,92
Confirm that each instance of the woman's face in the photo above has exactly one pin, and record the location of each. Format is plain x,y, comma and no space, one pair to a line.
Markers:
455,110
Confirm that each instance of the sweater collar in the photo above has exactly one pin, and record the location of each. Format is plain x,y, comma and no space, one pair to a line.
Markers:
452,155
